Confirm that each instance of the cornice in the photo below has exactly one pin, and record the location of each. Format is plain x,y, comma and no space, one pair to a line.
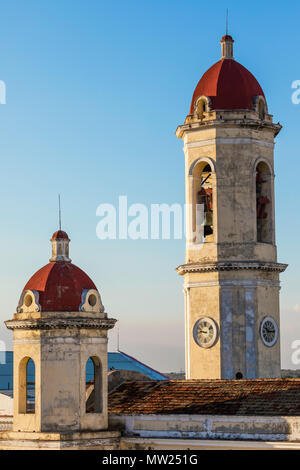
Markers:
231,266
229,141
218,123
61,324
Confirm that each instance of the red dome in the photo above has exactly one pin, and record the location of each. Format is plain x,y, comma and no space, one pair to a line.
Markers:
227,38
229,85
60,235
60,286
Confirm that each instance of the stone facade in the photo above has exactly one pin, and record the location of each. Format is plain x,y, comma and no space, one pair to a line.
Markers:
59,348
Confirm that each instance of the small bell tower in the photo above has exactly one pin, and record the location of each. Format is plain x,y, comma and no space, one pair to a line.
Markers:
60,359
231,273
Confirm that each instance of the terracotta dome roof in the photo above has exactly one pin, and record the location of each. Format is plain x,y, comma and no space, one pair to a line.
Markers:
227,38
60,234
60,286
229,85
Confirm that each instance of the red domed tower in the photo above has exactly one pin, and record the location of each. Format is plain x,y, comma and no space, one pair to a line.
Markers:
59,326
231,273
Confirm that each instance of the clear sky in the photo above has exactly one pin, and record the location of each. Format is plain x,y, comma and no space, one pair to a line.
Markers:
95,91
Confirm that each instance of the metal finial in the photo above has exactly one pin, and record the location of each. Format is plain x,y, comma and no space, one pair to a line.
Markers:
59,212
227,22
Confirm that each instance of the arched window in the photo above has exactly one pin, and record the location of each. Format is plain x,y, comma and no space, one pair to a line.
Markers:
27,386
93,399
203,195
264,203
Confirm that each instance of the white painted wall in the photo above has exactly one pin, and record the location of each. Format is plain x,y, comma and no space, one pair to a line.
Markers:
6,405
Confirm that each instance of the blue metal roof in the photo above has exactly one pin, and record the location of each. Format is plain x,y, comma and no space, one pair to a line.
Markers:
6,370
122,361
116,360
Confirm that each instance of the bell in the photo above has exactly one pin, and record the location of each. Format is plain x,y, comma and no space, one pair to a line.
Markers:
208,223
208,219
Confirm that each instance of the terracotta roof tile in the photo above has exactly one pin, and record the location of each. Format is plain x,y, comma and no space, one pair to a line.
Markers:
208,397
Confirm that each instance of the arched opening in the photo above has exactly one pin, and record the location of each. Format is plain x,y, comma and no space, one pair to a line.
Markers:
27,386
66,249
201,107
93,399
262,109
264,203
92,300
203,214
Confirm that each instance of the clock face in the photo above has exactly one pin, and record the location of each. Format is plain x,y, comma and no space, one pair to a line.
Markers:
269,331
205,332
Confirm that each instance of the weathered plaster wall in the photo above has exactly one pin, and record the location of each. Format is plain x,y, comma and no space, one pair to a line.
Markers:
174,428
60,351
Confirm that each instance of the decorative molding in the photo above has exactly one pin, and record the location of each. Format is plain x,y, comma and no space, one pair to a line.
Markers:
33,306
231,266
222,141
192,125
62,340
87,305
234,283
62,324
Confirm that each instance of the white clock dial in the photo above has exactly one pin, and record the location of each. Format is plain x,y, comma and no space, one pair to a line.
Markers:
205,332
269,331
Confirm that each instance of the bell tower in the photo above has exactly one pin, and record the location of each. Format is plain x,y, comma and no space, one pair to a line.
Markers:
60,359
231,273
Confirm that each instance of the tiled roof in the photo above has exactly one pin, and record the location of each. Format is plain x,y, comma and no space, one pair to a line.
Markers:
210,397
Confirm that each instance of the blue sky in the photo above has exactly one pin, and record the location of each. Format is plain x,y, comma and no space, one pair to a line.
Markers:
95,91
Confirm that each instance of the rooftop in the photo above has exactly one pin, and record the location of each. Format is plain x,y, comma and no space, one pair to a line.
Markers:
208,397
